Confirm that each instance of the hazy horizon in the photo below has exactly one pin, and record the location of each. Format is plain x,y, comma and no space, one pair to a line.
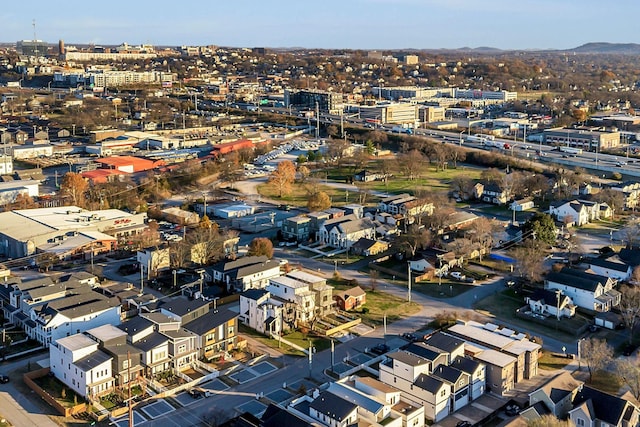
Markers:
332,24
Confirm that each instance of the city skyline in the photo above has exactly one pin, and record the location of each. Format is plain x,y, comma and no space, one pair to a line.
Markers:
351,24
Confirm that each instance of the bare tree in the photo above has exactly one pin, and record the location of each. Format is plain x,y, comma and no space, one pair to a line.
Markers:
596,354
635,275
630,308
415,238
629,371
463,186
411,164
374,276
482,230
529,260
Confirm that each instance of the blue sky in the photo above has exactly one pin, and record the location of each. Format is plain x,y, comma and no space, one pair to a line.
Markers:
352,24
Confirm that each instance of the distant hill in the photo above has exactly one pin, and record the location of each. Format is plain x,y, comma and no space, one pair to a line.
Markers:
611,48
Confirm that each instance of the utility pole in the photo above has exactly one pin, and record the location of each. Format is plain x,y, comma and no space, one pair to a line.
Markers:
129,383
409,285
310,361
333,349
384,320
317,121
141,279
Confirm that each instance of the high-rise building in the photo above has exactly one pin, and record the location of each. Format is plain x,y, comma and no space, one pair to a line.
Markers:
331,102
32,47
61,47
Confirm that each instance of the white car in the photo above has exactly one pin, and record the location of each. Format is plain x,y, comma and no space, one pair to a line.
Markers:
457,275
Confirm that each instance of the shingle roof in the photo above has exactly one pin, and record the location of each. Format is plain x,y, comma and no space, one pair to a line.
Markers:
466,365
332,406
444,341
547,296
274,416
151,341
606,407
448,373
182,305
422,350
558,387
577,279
209,321
611,264
254,294
428,383
410,359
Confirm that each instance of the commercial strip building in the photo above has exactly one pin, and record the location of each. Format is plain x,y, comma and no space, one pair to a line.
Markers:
589,139
26,232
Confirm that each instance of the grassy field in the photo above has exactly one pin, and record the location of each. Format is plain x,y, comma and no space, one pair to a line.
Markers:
551,362
299,194
380,303
605,381
503,307
285,349
430,180
303,341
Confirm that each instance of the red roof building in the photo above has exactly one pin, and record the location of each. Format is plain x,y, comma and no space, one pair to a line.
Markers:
228,147
129,164
100,176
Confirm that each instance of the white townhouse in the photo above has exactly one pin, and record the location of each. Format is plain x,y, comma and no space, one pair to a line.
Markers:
344,231
589,291
78,363
411,375
297,292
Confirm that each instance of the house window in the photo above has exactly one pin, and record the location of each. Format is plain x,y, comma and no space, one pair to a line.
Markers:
443,393
580,422
125,364
230,331
182,348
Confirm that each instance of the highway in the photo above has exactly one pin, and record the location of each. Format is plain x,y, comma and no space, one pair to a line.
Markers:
599,164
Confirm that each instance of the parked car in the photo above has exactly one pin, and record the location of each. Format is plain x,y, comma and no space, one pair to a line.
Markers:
457,275
4,379
380,349
196,394
410,337
463,424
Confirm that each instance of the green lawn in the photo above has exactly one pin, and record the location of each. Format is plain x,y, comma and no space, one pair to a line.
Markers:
551,362
430,180
57,389
303,341
503,306
378,304
282,347
299,195
605,381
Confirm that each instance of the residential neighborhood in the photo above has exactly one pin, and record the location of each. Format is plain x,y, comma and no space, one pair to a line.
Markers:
195,234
